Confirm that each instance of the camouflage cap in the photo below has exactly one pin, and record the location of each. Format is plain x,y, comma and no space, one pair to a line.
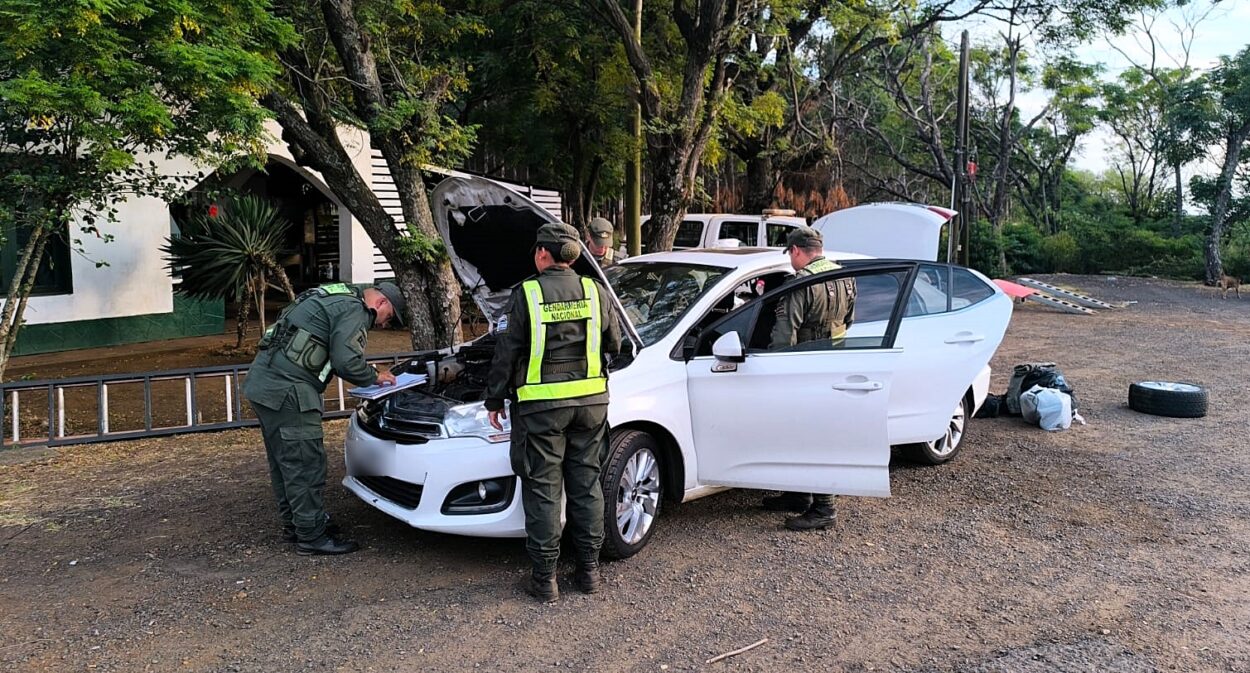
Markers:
561,237
396,298
804,237
600,229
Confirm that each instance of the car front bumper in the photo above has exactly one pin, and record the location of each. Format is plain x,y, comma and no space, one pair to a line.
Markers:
393,476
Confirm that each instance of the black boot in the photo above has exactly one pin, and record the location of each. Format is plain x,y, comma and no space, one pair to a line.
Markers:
788,502
586,577
817,517
326,546
289,535
542,585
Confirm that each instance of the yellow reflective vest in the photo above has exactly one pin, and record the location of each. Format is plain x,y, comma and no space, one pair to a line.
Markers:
540,316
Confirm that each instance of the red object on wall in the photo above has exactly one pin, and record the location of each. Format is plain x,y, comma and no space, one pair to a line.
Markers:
212,210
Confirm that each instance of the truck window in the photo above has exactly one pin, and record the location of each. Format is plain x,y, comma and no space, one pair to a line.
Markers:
777,234
689,235
747,233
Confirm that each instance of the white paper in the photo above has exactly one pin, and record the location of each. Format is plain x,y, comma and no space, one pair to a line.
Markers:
401,382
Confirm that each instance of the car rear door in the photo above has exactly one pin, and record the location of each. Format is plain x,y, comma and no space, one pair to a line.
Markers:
811,416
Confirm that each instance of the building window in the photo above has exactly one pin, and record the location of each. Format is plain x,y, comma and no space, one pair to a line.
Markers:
54,276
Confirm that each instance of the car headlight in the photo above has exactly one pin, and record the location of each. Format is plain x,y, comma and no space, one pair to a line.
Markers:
473,420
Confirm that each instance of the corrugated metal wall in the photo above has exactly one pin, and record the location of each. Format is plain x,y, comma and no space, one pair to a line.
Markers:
384,186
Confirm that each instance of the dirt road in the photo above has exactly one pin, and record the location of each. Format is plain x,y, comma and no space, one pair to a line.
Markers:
1123,545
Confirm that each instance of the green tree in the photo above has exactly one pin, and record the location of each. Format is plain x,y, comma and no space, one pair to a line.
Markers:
682,68
1219,111
92,91
545,94
232,253
388,68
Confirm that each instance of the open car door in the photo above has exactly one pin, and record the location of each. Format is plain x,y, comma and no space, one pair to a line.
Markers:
809,416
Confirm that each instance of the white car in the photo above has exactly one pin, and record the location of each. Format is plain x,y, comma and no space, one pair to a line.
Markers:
698,400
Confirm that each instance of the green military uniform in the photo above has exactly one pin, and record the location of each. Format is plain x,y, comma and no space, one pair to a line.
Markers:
601,232
551,361
817,311
322,333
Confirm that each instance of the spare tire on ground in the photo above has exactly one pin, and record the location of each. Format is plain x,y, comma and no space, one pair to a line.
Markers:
1168,398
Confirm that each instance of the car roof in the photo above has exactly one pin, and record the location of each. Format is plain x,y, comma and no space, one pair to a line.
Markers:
734,258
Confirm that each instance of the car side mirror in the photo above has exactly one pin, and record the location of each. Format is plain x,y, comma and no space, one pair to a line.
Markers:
728,348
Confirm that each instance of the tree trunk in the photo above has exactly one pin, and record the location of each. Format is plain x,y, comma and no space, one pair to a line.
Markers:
1005,146
1215,267
668,199
19,292
240,325
1179,213
761,182
262,283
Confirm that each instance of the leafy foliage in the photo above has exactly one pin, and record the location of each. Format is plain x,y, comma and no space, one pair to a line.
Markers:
217,256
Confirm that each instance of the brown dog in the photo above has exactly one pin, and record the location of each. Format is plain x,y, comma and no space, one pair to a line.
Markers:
1229,283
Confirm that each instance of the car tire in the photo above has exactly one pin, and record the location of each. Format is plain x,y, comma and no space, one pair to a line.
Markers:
946,447
1168,398
632,493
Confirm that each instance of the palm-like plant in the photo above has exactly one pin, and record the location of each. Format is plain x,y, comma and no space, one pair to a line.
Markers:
233,252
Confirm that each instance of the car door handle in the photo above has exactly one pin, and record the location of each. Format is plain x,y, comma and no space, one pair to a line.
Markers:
858,385
965,338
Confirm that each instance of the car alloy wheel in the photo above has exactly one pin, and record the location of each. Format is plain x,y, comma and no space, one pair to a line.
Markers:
632,493
945,447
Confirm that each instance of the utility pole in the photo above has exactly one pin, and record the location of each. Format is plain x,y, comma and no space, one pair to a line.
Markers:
957,235
633,169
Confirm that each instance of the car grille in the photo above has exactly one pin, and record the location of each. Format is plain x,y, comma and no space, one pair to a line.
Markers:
401,493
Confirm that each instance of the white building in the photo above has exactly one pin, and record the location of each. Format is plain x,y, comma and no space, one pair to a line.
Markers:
77,304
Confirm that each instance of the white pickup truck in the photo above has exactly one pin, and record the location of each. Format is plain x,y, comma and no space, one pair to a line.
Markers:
715,230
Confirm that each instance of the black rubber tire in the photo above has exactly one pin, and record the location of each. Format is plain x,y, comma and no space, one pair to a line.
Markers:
925,453
622,448
1187,402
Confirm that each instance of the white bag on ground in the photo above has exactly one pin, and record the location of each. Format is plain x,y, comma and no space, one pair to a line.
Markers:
1048,407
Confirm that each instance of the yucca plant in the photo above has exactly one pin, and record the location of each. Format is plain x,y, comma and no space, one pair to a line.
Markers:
231,252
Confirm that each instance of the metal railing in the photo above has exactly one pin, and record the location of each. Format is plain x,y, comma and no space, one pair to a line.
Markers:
224,382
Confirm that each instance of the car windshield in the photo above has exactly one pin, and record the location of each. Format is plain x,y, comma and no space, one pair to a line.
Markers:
656,295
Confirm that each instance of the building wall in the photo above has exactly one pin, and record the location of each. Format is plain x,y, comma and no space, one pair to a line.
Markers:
122,290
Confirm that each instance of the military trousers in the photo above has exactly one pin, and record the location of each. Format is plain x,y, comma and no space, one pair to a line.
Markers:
555,452
297,465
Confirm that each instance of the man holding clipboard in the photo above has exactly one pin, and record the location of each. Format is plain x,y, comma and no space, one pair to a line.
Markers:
323,332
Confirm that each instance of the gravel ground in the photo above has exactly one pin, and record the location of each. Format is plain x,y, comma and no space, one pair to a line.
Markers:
1121,545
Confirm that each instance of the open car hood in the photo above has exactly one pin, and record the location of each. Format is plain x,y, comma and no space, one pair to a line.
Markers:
489,231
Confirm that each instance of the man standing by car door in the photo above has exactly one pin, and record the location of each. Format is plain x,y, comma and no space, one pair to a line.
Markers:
817,311
322,332
551,361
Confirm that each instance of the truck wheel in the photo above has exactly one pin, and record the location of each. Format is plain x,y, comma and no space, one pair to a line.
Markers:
632,490
1168,398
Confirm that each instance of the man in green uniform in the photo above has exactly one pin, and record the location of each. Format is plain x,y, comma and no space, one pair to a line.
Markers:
322,332
551,360
599,242
817,311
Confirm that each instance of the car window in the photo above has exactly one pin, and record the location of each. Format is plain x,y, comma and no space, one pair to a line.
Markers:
941,288
747,233
656,295
869,297
777,234
689,234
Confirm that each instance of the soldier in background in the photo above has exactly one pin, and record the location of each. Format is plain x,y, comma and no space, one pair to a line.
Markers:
817,311
323,332
599,242
551,362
